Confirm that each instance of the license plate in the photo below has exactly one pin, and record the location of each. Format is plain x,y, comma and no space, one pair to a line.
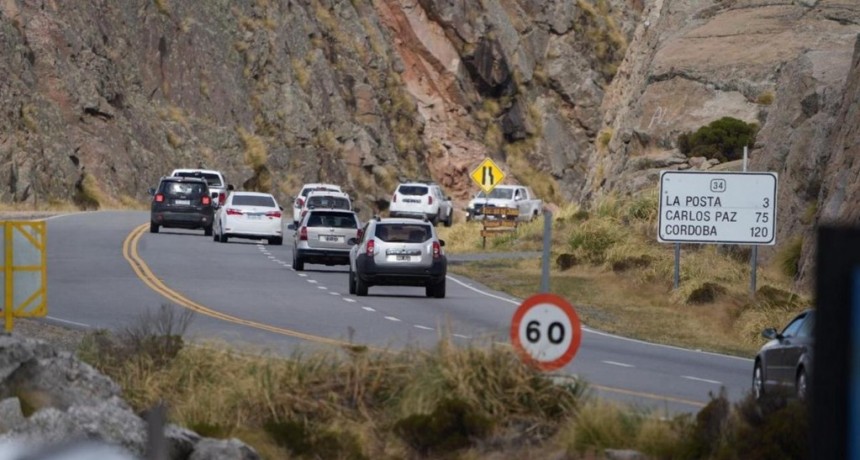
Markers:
403,258
330,238
183,202
254,217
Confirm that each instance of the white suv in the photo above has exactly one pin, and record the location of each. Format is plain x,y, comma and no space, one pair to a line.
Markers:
218,186
299,201
422,200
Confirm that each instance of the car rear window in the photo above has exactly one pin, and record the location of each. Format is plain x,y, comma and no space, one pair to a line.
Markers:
317,189
254,200
334,202
212,179
177,188
403,233
332,219
412,190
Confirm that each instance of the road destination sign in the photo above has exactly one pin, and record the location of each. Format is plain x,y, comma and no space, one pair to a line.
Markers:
724,207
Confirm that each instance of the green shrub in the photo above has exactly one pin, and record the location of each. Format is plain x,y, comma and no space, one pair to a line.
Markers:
593,238
723,139
453,425
789,257
305,441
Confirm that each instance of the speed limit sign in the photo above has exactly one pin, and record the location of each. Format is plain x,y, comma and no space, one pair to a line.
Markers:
546,331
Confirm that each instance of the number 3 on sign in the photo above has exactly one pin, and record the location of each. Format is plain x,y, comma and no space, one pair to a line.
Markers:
546,331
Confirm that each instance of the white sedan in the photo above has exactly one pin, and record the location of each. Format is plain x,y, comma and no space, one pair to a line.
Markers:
251,215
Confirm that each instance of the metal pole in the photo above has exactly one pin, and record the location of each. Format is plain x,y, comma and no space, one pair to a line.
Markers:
754,254
547,242
677,265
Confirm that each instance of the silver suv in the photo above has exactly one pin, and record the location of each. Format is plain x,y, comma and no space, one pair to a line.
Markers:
323,236
422,200
400,252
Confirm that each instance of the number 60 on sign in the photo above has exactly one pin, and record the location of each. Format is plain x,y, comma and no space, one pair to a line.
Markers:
546,331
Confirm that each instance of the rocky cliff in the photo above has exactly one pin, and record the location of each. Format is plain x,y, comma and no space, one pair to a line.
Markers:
576,98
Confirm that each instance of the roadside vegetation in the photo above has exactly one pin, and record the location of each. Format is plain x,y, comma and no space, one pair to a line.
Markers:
459,402
607,262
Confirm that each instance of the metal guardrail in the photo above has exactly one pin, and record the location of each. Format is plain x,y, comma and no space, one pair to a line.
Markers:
24,288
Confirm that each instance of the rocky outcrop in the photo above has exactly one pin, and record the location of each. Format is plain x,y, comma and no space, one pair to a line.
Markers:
69,403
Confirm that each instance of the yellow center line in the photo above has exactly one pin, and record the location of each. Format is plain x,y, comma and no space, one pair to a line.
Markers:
130,253
142,270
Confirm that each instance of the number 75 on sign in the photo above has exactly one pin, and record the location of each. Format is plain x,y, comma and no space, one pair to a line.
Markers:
487,175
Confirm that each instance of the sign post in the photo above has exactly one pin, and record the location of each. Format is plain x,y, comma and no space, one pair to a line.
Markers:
488,175
546,331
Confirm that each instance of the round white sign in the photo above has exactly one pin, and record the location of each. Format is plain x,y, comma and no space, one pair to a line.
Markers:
547,331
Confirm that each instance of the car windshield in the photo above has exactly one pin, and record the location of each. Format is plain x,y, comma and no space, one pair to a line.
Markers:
254,200
403,233
501,193
412,190
317,189
183,188
334,202
332,219
212,179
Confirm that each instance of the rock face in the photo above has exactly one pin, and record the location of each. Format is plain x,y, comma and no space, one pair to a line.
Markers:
69,402
573,97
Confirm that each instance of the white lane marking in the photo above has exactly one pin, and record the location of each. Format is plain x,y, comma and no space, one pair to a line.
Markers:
616,363
367,308
334,293
604,334
461,336
391,318
302,275
715,382
323,288
52,318
271,257
312,281
418,326
347,299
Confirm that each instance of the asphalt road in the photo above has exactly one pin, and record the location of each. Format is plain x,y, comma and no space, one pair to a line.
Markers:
105,270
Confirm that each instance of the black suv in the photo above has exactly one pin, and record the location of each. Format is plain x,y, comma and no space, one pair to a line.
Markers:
182,202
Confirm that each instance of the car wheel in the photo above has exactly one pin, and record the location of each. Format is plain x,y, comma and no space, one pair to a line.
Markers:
439,291
276,241
222,237
801,384
450,219
351,281
758,381
214,237
298,263
207,231
360,286
153,228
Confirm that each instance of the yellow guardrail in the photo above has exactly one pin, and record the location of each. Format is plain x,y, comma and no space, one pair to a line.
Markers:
25,270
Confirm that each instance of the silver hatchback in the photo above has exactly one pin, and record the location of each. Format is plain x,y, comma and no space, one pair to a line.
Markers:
323,236
398,251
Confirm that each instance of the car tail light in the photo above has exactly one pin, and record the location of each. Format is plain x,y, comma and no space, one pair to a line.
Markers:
437,250
303,234
222,198
429,200
359,234
275,214
394,198
304,212
370,248
234,212
159,198
206,201
300,202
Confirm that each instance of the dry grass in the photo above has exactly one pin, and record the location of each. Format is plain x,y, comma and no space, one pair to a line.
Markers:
256,153
622,279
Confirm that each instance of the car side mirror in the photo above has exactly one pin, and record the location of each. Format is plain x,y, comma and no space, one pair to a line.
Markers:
151,191
281,208
291,226
769,333
352,241
230,187
441,242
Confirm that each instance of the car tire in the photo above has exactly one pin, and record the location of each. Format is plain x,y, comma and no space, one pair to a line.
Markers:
801,384
298,263
222,237
360,286
153,228
276,241
758,381
207,231
439,292
351,281
214,237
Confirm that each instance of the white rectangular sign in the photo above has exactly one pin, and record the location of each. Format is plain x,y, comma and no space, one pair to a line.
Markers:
724,207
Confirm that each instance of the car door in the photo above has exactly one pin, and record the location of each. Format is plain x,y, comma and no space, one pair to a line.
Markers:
780,367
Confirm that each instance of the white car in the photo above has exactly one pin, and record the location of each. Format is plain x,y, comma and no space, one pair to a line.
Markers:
218,186
422,200
299,201
326,199
250,215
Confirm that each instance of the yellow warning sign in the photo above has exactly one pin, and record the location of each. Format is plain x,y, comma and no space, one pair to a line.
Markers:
487,175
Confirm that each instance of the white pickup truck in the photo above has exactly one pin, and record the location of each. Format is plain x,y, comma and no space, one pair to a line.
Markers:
516,197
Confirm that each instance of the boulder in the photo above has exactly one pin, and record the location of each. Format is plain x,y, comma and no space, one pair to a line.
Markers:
223,449
10,414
